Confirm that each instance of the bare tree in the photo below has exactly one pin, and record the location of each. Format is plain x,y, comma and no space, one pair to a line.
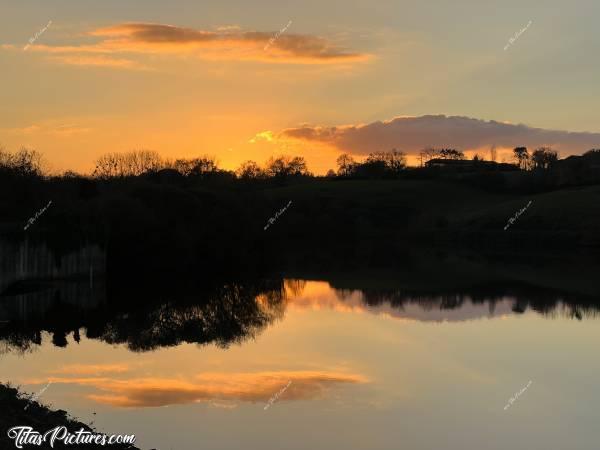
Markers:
345,165
25,162
127,164
141,161
107,166
493,153
427,154
376,157
395,160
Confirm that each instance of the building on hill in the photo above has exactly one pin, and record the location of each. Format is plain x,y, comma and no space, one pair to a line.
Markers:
578,169
468,164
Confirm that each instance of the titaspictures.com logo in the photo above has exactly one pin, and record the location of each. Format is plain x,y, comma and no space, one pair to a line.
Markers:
23,435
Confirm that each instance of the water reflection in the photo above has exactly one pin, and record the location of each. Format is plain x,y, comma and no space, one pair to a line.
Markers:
394,352
235,312
223,316
222,388
476,302
71,294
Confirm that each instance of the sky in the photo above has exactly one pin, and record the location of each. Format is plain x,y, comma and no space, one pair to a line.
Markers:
242,80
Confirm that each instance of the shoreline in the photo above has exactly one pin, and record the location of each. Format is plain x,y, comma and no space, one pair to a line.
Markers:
18,411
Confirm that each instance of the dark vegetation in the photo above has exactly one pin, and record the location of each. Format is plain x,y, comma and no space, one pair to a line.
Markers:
146,318
189,216
18,410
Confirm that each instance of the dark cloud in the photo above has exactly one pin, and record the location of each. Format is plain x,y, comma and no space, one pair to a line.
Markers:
230,43
412,134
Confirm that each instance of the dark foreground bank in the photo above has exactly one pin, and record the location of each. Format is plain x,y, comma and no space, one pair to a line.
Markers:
221,231
19,411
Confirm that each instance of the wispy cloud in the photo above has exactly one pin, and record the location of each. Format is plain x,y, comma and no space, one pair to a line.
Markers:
226,43
99,61
262,136
59,130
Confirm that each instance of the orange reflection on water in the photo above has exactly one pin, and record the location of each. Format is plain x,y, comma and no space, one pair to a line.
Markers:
210,387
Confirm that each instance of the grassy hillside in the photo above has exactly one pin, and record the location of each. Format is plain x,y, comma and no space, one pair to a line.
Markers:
437,211
182,225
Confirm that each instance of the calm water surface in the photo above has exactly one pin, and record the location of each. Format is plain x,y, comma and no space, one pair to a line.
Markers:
330,372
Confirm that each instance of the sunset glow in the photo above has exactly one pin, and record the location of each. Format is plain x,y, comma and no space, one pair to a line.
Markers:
202,81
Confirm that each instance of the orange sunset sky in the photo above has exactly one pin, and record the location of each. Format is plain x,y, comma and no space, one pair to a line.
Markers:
240,80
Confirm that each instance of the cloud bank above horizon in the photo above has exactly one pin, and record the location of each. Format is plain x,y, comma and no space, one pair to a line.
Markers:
412,134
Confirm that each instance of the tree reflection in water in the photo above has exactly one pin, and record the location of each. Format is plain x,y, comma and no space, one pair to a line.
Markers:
230,313
225,315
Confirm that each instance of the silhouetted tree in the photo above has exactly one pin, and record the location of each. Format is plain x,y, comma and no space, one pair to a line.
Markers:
107,166
284,166
249,170
522,156
376,156
204,165
196,166
127,164
298,166
371,169
183,166
25,162
593,153
346,165
450,153
142,161
493,153
428,154
393,161
543,158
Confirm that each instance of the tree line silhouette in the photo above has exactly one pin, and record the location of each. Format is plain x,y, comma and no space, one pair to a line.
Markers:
381,164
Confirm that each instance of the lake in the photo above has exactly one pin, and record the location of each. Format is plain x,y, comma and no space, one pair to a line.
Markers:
305,363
